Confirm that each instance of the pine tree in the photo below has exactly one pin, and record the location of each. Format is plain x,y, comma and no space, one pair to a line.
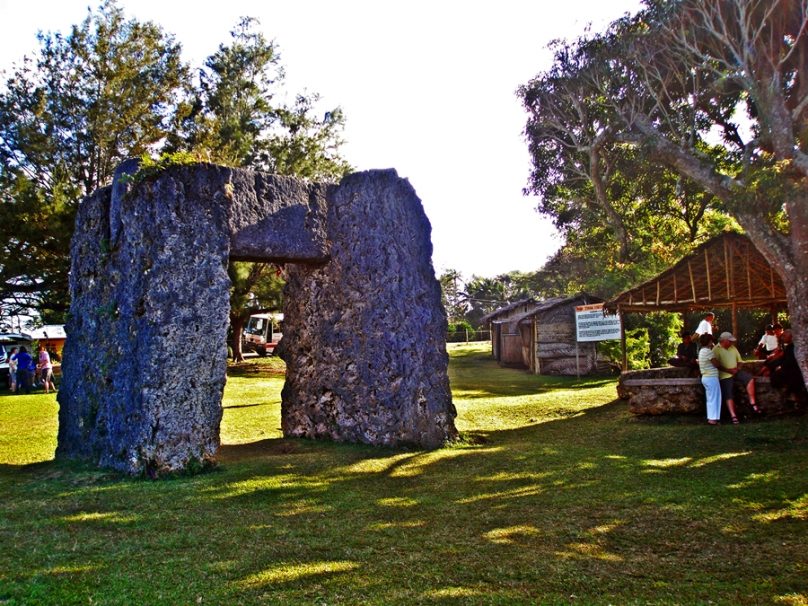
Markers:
68,115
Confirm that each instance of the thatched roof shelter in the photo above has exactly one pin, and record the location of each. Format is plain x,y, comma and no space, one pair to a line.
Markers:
726,271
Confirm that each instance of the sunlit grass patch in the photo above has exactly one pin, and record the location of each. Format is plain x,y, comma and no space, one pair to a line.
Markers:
397,502
285,573
270,482
679,462
500,495
453,593
28,425
401,524
588,551
792,599
793,510
115,517
510,534
554,494
755,478
724,456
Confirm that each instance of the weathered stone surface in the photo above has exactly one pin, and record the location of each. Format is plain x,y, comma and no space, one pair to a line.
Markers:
359,329
145,358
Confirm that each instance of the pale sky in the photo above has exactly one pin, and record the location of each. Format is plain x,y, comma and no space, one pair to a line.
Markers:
427,87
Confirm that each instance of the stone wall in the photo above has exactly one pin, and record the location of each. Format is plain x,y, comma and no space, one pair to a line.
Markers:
677,391
145,358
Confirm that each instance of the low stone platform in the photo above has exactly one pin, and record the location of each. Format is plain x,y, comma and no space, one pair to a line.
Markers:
678,391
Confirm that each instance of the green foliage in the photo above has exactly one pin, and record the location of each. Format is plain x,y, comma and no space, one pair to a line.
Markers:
459,332
68,115
452,295
113,89
235,117
638,348
460,326
150,166
484,295
663,335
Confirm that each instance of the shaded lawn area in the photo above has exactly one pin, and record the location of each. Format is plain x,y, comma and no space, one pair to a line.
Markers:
555,495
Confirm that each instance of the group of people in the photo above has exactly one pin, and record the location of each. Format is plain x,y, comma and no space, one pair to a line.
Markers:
720,365
25,372
720,372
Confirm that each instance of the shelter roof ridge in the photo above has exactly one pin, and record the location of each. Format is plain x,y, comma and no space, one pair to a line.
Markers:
725,270
540,306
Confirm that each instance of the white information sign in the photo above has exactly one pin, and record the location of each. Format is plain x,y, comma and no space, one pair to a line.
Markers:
592,325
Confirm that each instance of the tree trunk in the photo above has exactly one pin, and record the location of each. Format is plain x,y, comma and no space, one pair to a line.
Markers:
797,282
788,255
797,293
602,197
237,328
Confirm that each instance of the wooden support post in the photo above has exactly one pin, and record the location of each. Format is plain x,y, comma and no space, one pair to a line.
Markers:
735,320
728,260
692,281
727,270
748,273
623,340
536,359
707,270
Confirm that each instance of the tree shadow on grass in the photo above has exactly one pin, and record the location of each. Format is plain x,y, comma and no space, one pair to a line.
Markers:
594,505
570,506
245,405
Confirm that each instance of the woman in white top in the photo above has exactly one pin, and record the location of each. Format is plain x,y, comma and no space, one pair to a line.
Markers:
708,366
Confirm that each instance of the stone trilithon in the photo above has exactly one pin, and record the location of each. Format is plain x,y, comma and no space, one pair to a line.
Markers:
145,360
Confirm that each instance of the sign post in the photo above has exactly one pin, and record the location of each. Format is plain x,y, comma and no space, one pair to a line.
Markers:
592,324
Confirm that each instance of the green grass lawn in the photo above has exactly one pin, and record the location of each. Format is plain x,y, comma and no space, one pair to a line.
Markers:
555,495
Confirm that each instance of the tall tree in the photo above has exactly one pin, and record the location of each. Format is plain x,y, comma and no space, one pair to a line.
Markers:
68,115
714,90
454,300
238,116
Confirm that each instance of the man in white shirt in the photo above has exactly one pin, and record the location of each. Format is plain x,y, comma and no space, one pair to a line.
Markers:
768,343
706,325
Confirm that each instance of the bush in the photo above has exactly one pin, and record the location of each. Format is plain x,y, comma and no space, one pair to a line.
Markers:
637,349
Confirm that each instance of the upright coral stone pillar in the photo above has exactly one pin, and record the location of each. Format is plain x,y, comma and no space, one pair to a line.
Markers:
366,351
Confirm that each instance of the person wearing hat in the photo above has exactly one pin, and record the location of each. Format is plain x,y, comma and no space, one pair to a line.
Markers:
768,343
706,325
730,373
